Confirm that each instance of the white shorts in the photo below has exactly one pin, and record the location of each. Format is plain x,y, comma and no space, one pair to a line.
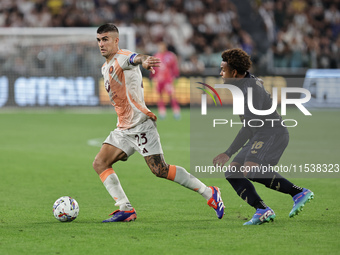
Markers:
143,138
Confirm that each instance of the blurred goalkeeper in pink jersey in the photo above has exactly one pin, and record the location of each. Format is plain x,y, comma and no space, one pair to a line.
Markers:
164,77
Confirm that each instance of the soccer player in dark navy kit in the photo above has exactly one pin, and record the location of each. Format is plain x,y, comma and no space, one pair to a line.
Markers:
266,143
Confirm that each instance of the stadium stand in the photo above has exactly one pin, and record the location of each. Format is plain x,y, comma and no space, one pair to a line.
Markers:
280,35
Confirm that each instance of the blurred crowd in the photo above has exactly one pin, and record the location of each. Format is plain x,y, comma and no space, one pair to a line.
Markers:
303,33
299,33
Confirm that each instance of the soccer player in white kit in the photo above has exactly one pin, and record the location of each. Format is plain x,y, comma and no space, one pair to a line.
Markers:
136,127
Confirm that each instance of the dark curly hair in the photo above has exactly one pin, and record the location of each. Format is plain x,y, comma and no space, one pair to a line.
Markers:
237,59
109,27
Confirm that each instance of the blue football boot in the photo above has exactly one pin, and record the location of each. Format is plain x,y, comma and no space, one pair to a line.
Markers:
300,200
261,216
119,215
216,202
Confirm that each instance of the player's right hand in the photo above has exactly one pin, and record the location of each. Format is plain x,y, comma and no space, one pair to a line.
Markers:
220,160
150,63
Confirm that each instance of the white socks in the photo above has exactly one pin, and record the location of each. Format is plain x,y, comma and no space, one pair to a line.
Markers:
176,173
180,175
112,185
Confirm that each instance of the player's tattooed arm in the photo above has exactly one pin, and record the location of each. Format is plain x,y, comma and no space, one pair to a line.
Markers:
148,62
140,58
157,165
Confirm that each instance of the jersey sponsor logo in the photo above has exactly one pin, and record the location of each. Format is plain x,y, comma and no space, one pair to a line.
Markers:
107,86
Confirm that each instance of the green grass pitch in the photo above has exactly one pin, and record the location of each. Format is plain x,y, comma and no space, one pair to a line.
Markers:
45,155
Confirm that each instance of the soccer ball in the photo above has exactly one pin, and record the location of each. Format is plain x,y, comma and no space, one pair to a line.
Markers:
65,209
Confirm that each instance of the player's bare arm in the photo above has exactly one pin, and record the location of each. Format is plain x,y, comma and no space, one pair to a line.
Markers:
157,165
148,62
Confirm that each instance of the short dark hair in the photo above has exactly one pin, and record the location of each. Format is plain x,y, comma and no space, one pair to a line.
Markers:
109,27
237,59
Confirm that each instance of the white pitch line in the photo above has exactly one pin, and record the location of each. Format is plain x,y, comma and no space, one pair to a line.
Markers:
96,142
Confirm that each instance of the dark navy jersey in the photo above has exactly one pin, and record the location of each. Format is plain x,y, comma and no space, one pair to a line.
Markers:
265,124
261,101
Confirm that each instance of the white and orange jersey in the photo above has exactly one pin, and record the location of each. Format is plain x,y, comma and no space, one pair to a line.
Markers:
123,82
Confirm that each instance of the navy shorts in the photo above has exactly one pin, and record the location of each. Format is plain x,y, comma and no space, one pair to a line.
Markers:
265,148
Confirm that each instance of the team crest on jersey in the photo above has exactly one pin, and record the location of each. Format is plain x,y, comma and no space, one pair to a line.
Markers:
111,69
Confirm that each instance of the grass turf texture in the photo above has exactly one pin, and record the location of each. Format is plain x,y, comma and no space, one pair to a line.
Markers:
45,155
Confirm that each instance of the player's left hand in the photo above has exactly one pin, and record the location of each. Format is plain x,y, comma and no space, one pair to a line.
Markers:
221,159
152,116
150,62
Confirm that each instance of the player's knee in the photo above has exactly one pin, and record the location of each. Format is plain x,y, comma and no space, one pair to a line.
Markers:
157,165
95,164
232,175
99,165
250,169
